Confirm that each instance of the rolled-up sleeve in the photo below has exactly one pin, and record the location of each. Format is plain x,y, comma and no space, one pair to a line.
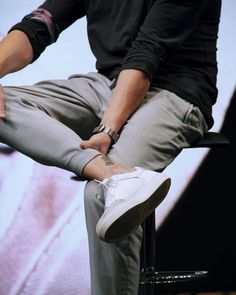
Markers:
44,25
166,26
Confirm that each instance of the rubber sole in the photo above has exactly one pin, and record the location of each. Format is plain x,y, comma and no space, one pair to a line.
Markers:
127,217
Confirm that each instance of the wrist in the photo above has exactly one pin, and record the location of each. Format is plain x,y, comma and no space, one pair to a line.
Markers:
107,130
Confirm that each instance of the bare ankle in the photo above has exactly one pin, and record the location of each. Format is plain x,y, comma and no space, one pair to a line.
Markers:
103,167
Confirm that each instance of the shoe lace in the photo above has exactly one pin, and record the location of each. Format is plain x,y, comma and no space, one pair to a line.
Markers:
110,196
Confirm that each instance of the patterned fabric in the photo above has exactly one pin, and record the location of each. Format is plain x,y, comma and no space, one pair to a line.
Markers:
43,238
45,17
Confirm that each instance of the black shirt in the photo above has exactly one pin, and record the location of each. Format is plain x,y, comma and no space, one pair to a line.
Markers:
173,41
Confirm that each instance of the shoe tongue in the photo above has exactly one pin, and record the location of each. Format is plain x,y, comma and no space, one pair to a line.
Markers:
105,180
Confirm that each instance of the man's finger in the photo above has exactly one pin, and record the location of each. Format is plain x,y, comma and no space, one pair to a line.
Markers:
88,144
2,114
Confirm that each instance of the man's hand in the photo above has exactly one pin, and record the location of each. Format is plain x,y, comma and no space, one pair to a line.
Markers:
100,142
2,103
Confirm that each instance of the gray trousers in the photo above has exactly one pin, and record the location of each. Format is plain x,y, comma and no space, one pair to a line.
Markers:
47,122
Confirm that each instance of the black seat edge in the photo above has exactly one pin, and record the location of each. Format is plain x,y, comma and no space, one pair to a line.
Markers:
211,139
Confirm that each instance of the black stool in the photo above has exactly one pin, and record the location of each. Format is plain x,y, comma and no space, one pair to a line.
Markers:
149,275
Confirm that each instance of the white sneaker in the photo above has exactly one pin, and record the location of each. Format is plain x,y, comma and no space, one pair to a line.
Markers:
129,199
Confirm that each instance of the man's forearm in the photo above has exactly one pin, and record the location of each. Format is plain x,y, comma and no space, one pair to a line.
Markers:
15,52
131,88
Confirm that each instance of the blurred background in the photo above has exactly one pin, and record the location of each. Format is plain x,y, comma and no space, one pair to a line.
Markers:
43,240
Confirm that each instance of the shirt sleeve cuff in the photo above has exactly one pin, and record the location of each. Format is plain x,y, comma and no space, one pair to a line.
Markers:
147,60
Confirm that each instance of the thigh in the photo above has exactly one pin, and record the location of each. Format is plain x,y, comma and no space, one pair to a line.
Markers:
77,102
157,132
